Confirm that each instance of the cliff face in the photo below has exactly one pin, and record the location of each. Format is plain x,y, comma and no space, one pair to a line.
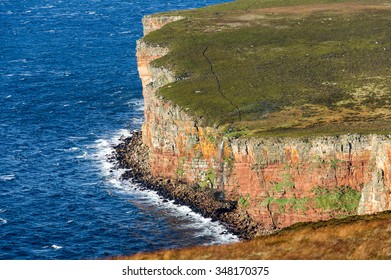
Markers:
278,181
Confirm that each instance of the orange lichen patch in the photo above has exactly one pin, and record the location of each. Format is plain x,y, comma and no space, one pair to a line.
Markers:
295,158
207,143
292,155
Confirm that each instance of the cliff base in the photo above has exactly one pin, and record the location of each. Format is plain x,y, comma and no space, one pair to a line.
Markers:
133,154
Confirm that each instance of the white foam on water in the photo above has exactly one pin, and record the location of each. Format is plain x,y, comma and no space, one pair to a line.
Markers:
84,155
3,221
67,14
7,177
77,137
137,104
203,226
26,74
56,247
104,148
137,121
150,200
48,6
21,60
57,72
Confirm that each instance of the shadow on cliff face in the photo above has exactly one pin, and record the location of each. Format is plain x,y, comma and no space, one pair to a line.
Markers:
353,238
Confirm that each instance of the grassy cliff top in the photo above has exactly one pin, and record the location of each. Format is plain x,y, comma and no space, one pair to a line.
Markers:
282,67
356,237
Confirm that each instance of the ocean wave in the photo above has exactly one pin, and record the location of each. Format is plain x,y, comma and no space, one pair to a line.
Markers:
26,74
59,73
48,6
137,121
56,247
149,200
21,60
72,149
7,177
104,149
77,138
53,246
3,221
137,105
84,155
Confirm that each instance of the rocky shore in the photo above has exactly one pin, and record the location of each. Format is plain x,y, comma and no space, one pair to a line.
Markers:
132,154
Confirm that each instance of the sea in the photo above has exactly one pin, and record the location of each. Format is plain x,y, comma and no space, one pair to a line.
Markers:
69,90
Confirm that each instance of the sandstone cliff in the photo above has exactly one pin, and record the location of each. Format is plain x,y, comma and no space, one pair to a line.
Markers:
278,181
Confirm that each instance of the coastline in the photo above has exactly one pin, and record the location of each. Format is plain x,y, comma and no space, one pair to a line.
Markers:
132,154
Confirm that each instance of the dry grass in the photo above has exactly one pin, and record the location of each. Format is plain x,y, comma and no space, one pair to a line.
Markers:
353,238
310,116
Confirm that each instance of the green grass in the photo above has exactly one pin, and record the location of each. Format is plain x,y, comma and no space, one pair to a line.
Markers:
244,201
289,74
342,200
339,201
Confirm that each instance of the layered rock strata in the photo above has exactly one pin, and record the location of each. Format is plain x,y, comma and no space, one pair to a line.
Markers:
278,181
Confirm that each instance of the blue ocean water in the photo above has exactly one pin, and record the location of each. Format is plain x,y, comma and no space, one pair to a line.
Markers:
69,88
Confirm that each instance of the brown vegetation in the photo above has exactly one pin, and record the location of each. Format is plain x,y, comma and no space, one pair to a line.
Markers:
353,238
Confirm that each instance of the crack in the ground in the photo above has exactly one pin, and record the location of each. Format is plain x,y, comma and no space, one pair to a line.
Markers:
219,85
